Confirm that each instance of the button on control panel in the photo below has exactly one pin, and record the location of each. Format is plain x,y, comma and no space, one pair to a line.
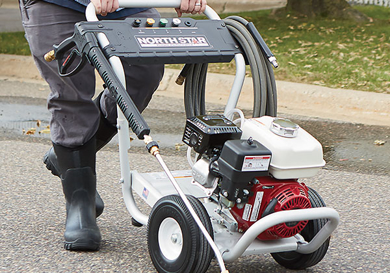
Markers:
162,23
150,22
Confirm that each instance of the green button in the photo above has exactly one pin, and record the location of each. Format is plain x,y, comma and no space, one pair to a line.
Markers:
163,22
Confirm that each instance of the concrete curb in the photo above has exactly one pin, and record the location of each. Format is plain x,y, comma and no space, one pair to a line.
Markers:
293,98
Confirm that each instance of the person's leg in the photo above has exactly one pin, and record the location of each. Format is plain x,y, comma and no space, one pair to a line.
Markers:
74,121
74,116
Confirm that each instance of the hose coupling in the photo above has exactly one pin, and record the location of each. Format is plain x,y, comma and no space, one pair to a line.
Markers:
273,61
151,145
50,56
180,80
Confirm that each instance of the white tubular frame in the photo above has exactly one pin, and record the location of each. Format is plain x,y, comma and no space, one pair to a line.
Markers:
287,216
122,123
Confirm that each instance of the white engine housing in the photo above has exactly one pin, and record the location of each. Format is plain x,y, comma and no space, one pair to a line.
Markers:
292,157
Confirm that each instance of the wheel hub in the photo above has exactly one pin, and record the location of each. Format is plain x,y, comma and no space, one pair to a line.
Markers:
170,238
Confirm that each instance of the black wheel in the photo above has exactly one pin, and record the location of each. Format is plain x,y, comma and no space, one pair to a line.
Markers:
295,260
175,242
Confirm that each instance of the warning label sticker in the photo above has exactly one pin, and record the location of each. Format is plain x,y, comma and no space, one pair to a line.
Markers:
247,212
172,41
256,163
256,206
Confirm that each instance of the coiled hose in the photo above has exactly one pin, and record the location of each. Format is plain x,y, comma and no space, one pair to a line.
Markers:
264,87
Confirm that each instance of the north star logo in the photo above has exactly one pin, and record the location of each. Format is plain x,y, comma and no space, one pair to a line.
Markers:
179,41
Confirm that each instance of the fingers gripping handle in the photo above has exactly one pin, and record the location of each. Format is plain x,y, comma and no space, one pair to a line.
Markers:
149,3
91,11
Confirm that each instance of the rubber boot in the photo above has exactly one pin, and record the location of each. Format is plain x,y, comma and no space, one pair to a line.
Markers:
104,134
50,159
77,168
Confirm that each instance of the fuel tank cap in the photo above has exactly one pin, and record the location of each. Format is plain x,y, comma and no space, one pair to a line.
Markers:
284,127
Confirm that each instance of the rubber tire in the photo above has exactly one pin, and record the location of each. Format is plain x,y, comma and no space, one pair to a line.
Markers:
295,260
196,253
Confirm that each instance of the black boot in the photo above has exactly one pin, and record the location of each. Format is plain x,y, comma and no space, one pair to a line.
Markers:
104,134
77,168
50,159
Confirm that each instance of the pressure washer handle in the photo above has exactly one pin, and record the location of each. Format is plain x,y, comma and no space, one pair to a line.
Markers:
91,11
69,58
149,3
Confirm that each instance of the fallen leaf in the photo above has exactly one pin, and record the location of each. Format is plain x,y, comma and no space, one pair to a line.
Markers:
318,82
178,145
341,46
379,142
31,131
307,44
44,131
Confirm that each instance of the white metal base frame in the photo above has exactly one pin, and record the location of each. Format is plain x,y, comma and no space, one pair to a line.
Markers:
232,244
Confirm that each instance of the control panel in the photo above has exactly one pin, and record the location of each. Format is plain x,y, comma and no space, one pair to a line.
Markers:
165,40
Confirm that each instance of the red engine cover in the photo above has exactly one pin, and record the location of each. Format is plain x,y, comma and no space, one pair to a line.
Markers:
289,195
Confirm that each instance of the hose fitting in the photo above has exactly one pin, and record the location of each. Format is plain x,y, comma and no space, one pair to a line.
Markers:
183,74
180,80
49,56
151,145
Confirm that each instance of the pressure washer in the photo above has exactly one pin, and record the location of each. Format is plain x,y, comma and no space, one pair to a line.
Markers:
241,194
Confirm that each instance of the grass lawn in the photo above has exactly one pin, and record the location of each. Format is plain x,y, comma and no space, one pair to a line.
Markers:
333,53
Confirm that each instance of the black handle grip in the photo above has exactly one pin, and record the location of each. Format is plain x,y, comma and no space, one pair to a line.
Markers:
261,43
126,104
67,66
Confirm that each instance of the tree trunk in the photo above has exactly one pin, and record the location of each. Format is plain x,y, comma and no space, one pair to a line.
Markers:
339,9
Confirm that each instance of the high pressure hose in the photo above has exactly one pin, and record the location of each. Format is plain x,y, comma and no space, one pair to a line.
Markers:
258,57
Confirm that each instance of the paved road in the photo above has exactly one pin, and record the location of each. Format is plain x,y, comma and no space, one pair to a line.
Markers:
355,182
32,213
32,205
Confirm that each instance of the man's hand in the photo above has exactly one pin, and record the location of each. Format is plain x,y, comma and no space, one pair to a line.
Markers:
105,6
191,6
